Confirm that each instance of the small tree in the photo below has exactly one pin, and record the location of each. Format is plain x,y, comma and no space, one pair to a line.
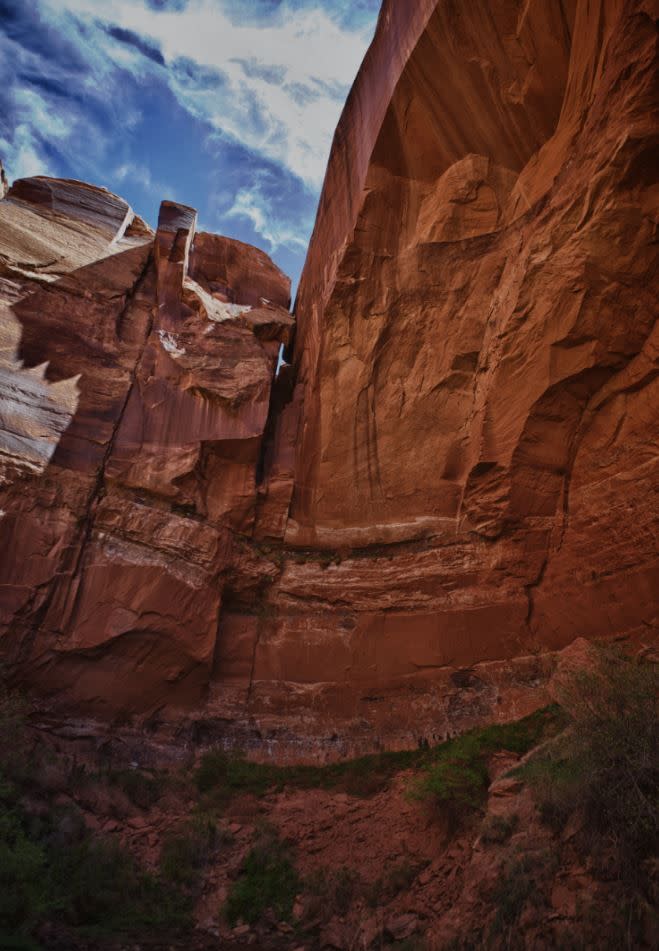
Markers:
607,765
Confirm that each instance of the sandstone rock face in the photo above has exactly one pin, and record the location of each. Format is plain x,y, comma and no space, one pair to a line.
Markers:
134,400
452,480
477,361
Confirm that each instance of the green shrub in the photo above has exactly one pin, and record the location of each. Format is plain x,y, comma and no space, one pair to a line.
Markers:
24,881
222,775
606,767
51,868
102,884
268,882
227,774
523,880
556,777
459,780
24,885
456,780
98,887
187,852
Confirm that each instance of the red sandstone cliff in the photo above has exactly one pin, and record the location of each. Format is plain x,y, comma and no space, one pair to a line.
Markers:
129,454
477,358
457,472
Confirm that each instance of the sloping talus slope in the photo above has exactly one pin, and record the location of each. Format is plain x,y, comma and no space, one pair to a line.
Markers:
455,476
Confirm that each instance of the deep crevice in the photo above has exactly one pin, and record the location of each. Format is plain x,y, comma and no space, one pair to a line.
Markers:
87,520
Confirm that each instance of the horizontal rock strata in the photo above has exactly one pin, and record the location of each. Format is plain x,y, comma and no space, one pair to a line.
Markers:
136,380
477,362
452,480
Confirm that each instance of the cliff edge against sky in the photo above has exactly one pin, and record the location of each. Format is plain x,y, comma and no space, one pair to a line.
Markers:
454,477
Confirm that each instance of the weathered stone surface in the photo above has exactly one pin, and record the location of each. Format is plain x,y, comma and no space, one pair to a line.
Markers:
131,454
454,477
477,362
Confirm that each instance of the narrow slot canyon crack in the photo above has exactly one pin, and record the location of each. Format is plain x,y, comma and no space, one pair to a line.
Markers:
456,466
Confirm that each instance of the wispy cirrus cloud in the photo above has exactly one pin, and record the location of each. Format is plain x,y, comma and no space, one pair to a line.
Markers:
234,101
257,206
276,84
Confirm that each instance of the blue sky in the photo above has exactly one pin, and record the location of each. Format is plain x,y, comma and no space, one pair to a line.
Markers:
225,105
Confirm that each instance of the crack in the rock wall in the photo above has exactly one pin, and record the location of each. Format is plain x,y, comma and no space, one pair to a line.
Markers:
530,588
97,488
257,641
54,585
100,476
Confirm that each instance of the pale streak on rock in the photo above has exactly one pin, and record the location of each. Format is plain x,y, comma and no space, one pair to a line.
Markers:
113,576
453,477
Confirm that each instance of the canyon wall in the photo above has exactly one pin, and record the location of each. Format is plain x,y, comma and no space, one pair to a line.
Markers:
454,477
477,366
136,378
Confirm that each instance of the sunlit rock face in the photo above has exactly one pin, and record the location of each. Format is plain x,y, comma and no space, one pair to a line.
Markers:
135,389
454,476
476,434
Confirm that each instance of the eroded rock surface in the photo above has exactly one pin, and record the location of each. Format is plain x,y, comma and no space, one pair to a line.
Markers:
452,480
477,361
133,408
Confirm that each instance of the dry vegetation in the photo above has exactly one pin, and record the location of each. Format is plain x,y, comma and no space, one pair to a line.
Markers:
596,768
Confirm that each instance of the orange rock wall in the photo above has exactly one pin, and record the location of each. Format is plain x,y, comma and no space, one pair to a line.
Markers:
476,351
455,476
129,454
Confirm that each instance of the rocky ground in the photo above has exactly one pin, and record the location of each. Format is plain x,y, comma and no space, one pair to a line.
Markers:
451,848
389,872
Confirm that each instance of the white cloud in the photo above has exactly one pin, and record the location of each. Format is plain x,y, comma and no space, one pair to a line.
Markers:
252,204
41,126
283,84
78,100
139,174
30,105
22,156
22,152
134,172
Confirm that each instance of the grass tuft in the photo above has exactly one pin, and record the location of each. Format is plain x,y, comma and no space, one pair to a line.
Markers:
268,882
456,779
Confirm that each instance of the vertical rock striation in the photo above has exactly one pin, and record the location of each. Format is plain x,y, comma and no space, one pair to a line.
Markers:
452,480
129,457
477,363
